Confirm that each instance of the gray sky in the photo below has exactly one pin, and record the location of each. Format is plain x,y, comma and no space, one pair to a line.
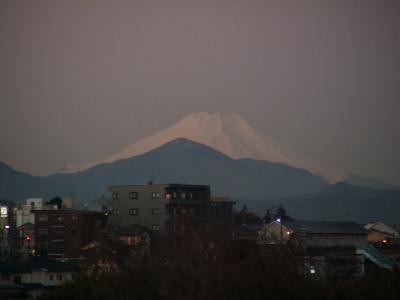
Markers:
82,79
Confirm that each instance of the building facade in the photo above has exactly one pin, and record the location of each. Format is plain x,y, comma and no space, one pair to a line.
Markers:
156,206
63,233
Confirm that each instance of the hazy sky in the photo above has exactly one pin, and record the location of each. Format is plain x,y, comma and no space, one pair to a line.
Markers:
80,80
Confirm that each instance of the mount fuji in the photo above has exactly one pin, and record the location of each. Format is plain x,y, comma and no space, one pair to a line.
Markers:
228,133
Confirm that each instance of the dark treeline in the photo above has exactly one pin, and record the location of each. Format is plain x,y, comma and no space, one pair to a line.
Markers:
206,262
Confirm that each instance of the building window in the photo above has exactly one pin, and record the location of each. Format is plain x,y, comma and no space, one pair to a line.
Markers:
115,212
43,218
155,227
115,196
183,195
59,218
156,211
155,195
133,195
167,196
43,232
51,277
174,195
133,211
59,277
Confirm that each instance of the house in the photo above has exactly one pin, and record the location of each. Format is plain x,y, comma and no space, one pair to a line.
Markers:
379,232
322,249
29,278
313,234
339,246
160,206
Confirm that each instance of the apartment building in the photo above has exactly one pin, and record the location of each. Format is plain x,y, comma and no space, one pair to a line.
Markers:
155,206
64,232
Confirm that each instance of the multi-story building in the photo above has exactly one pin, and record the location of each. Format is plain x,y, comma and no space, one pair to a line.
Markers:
64,232
155,206
24,214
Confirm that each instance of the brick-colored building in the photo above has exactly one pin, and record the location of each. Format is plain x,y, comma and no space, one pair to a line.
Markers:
63,232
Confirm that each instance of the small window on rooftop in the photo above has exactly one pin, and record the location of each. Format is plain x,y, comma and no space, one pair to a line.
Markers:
133,195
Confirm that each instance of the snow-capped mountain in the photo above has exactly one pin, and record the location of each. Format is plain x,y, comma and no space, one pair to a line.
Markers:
226,132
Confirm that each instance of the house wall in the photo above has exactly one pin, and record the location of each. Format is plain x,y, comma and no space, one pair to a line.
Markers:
45,278
274,233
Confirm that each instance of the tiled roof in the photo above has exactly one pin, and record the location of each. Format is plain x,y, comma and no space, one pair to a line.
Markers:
37,263
325,227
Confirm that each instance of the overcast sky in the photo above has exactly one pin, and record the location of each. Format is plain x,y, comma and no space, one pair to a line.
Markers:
79,80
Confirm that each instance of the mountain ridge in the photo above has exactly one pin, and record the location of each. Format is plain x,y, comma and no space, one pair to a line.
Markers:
183,160
228,133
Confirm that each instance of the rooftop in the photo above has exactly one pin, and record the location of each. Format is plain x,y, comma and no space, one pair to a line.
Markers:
325,227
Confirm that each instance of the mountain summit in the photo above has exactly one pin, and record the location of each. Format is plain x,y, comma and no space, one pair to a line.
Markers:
228,133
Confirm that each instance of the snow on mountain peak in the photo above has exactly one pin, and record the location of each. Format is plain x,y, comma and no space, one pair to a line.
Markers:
226,132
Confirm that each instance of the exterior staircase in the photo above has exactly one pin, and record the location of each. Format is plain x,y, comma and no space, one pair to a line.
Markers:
376,256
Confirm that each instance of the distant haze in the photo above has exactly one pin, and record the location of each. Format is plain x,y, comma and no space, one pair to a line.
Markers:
80,80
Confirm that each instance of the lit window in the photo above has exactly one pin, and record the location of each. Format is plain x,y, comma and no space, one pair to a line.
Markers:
155,227
60,218
156,211
155,195
133,195
133,211
183,195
